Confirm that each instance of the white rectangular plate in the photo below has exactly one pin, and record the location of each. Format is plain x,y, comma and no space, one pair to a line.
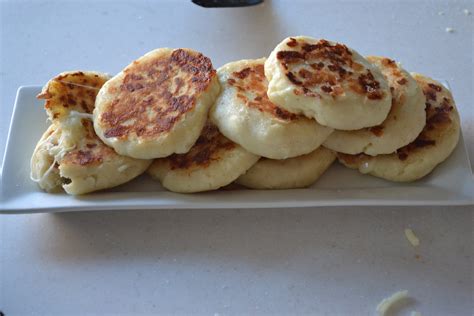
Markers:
451,183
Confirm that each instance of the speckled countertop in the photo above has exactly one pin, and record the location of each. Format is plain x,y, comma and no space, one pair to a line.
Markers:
320,261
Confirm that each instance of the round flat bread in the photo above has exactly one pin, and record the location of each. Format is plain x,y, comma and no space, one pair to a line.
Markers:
297,172
435,143
213,162
245,115
327,81
70,155
403,124
157,105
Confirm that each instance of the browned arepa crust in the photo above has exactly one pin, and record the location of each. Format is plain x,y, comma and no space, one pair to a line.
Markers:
158,104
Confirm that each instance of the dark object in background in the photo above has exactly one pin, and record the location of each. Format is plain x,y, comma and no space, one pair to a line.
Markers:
225,3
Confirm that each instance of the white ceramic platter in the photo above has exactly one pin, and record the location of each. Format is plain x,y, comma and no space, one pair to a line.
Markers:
451,183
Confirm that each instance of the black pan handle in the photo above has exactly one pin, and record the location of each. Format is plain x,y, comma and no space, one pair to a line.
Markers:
226,3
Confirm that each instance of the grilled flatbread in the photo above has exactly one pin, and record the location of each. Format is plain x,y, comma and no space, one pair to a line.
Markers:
213,162
245,115
70,155
435,143
327,81
158,104
403,124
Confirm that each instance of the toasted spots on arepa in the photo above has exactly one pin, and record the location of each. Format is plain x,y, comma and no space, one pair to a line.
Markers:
89,149
251,86
213,162
156,93
244,114
79,162
324,67
403,124
158,104
209,147
327,81
71,91
433,145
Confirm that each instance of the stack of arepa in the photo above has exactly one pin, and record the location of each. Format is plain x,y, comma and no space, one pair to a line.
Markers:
269,123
